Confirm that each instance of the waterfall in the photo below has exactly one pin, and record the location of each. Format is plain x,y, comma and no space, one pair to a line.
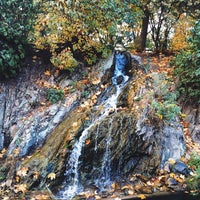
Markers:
73,186
104,179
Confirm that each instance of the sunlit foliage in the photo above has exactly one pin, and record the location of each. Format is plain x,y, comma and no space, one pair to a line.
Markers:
181,32
77,30
187,69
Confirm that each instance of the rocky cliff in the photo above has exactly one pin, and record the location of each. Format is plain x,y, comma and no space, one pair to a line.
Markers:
40,136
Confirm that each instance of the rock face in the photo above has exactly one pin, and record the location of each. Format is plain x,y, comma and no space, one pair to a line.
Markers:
26,115
130,139
193,119
26,119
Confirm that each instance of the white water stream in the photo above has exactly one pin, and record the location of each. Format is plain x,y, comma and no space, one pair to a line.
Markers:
72,174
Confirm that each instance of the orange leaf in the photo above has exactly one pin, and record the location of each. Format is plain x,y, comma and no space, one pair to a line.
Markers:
47,73
87,141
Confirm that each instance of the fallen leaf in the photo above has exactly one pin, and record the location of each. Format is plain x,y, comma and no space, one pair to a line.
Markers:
51,176
6,198
16,152
141,196
87,141
41,197
36,175
20,188
171,161
47,73
17,179
23,171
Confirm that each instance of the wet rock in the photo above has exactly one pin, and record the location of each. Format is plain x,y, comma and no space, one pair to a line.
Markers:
180,167
104,194
193,120
119,80
171,182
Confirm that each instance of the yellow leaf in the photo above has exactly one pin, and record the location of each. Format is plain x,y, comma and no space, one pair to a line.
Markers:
172,175
171,161
36,175
141,196
17,179
16,152
21,188
41,197
47,73
52,176
3,151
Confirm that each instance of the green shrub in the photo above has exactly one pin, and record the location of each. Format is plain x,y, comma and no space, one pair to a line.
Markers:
194,161
16,19
193,182
55,95
164,104
10,60
187,68
166,110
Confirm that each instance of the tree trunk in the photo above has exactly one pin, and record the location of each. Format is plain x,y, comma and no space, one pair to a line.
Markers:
144,31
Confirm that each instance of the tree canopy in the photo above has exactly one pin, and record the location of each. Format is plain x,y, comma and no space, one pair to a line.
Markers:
84,31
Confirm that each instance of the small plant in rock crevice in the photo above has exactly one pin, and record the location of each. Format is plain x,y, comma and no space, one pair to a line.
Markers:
166,110
55,95
164,103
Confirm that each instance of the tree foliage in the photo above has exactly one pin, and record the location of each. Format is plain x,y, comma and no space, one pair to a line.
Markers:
81,30
160,17
16,17
187,69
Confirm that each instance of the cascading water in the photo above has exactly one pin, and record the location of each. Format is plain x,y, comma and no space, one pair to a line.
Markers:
73,185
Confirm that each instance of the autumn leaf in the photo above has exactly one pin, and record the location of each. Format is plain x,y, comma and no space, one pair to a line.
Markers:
85,81
47,73
20,188
22,172
171,161
88,141
6,198
141,196
41,197
75,124
96,81
17,179
172,175
3,151
51,176
16,152
36,175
